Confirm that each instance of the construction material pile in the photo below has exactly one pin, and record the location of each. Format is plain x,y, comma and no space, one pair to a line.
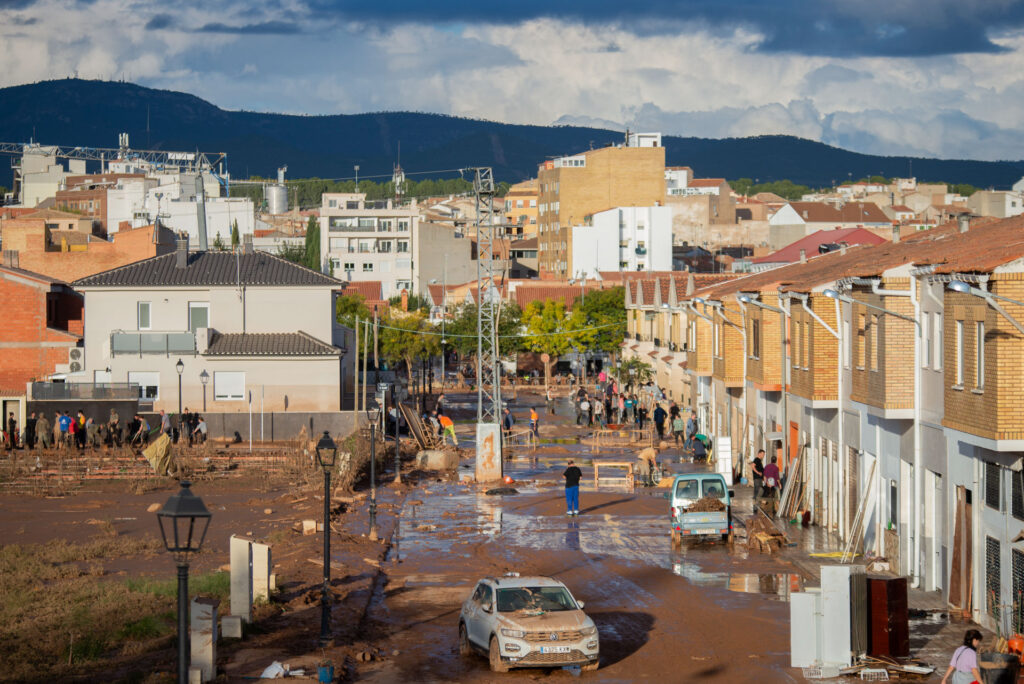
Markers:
708,504
762,534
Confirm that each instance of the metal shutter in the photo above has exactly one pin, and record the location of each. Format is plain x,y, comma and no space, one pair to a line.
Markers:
992,588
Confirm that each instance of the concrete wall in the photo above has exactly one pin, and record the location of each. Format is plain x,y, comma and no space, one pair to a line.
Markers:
278,426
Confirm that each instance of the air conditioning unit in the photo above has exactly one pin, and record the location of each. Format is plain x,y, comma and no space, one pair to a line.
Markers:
76,359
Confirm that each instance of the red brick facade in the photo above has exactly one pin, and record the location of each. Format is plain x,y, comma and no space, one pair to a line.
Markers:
42,319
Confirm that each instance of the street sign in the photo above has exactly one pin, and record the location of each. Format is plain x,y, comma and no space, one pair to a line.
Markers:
383,387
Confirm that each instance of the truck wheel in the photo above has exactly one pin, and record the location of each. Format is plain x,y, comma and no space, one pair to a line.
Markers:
465,648
591,667
494,654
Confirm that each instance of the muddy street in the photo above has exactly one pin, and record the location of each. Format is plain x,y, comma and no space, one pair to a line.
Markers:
698,612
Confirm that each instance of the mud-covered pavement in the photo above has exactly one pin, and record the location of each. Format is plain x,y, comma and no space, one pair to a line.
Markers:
702,612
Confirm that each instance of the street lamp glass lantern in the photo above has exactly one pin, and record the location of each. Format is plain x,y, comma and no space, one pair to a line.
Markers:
180,367
745,298
959,286
831,294
204,377
183,520
326,451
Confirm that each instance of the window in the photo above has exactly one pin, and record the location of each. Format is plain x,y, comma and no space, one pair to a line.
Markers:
402,246
350,266
228,385
384,226
198,315
384,246
335,263
794,336
1017,494
403,285
993,589
332,203
959,354
894,499
144,320
369,223
715,339
338,243
875,346
992,471
148,382
1018,587
755,338
403,226
367,267
519,204
937,341
352,204
848,347
533,204
979,355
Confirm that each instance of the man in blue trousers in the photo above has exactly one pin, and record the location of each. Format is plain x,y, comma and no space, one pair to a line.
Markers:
572,476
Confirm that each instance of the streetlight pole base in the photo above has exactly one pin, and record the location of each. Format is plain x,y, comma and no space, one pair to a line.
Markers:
373,534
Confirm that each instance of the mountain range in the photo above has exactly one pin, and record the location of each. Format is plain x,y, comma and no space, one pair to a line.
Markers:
92,113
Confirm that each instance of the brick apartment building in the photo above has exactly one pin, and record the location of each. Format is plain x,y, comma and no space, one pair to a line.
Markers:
894,375
43,321
576,186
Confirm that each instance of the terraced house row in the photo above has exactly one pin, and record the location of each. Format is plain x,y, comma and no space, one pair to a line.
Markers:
889,380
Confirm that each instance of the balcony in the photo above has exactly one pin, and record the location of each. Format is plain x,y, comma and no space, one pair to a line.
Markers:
152,343
73,391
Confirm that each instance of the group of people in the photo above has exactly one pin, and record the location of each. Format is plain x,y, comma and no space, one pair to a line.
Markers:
508,421
80,431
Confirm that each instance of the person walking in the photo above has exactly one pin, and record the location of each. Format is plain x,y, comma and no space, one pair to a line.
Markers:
660,414
772,479
44,431
61,428
691,425
964,664
757,471
587,411
507,421
599,413
534,422
572,476
678,429
549,401
165,423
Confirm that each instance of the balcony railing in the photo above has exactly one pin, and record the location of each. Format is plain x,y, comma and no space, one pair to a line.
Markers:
71,391
150,343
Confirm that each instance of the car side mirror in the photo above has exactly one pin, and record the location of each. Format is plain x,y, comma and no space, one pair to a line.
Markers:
580,604
731,494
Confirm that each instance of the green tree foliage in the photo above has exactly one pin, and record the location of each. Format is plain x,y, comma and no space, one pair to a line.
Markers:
312,244
218,243
783,188
347,309
965,189
416,303
643,371
404,339
604,308
235,239
461,331
293,253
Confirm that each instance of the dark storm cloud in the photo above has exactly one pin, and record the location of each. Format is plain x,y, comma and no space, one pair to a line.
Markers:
839,28
263,28
160,21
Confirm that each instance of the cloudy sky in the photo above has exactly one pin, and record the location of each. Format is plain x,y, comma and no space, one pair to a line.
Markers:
926,77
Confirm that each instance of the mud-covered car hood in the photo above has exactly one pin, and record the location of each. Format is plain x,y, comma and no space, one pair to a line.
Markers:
559,620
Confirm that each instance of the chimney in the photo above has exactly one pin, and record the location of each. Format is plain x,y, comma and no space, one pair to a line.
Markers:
803,256
11,258
842,248
247,247
181,251
964,222
895,233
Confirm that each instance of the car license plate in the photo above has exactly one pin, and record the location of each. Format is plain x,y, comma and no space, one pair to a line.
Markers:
554,649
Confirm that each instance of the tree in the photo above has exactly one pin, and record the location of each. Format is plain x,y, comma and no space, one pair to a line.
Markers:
349,307
549,331
408,339
293,253
462,330
234,234
218,243
635,370
604,308
312,244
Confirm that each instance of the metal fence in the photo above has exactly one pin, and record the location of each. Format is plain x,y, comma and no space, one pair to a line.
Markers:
64,391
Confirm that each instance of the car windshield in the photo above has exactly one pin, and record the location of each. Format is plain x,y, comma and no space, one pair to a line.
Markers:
687,489
544,599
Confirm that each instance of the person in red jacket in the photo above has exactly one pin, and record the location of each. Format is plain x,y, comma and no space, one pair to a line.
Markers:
772,478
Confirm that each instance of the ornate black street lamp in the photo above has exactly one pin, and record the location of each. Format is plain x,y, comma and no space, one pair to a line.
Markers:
326,455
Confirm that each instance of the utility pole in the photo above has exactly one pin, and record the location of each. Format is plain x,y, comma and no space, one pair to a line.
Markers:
488,358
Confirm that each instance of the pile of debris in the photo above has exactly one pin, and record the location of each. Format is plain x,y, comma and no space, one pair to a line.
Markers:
762,534
708,504
880,669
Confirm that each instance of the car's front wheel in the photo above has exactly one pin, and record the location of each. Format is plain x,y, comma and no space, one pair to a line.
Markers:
497,665
465,648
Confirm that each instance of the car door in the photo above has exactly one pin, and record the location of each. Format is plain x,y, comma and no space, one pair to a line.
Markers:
471,612
483,609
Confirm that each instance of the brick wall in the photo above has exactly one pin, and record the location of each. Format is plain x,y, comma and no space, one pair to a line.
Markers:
728,365
994,410
764,371
29,349
813,375
883,350
125,248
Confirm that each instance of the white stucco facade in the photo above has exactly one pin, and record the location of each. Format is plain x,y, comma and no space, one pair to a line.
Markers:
624,239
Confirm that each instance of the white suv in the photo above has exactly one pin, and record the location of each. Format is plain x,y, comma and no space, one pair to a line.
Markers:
527,622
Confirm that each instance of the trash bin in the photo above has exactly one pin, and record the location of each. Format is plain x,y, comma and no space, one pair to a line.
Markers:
998,668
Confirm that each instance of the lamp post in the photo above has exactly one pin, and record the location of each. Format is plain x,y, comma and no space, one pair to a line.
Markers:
373,415
990,297
398,456
178,527
326,453
204,378
180,367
